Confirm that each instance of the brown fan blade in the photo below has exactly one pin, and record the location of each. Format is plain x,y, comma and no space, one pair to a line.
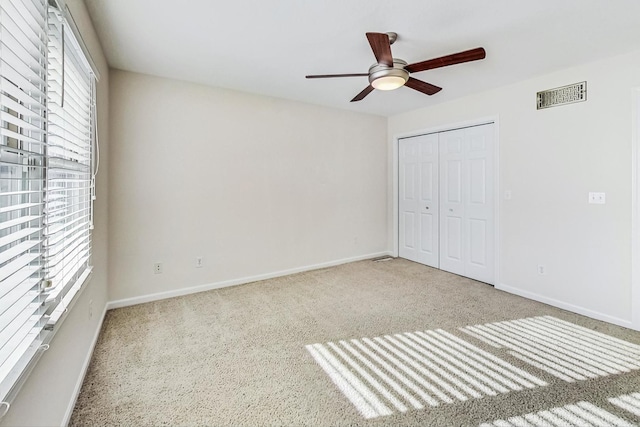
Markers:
421,86
444,61
327,76
361,95
381,48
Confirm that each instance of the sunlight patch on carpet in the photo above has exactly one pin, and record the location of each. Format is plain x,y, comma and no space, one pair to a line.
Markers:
579,414
562,349
382,375
628,402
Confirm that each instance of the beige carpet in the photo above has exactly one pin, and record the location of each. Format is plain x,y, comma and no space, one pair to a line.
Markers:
367,343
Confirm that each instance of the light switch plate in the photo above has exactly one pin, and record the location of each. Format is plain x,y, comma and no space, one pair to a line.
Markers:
597,198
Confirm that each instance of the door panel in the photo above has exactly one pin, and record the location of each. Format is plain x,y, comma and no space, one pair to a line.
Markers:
453,181
427,189
477,242
426,234
453,249
477,181
410,182
409,231
418,199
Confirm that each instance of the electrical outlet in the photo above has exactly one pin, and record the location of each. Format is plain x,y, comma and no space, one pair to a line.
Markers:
199,262
597,198
542,270
157,268
90,309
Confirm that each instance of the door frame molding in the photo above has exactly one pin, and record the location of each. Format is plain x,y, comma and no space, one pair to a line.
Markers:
635,209
496,180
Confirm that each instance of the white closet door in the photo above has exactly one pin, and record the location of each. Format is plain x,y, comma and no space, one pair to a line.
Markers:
479,204
451,201
418,199
466,205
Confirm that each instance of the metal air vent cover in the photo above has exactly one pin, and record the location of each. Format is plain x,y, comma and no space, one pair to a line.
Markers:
569,94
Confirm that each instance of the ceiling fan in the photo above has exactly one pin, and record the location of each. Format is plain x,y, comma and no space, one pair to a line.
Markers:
391,73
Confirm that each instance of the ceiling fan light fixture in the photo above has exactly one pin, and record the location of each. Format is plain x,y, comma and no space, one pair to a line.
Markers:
388,82
382,77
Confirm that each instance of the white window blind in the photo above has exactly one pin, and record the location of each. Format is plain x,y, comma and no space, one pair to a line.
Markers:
69,167
47,109
23,88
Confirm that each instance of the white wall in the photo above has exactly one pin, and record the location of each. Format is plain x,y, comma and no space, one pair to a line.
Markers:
550,160
46,397
254,185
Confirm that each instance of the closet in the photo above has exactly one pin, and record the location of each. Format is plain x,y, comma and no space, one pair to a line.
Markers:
446,201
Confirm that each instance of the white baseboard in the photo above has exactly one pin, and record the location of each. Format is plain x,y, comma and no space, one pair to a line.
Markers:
233,282
567,306
83,372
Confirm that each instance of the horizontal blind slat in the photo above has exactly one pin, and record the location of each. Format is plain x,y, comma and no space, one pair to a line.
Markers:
73,82
9,57
69,144
56,220
70,116
52,230
19,343
18,235
58,209
71,248
61,124
13,76
35,101
17,264
57,163
18,306
20,137
18,249
15,11
19,207
18,221
30,13
70,235
32,113
22,35
25,288
4,116
61,274
18,193
13,282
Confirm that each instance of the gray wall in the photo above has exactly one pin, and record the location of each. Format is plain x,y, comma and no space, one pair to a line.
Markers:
254,185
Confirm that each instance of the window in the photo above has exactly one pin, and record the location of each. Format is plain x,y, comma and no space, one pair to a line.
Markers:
47,170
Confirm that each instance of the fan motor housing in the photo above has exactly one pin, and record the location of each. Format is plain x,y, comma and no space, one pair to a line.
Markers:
377,70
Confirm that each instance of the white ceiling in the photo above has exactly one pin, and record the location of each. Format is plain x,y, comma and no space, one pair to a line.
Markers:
268,46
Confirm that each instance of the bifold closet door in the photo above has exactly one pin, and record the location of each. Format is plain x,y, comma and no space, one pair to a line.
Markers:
418,199
467,202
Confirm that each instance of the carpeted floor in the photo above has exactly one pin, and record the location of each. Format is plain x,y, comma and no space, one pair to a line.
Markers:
366,343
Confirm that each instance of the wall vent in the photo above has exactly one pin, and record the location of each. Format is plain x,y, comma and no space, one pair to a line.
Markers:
569,94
